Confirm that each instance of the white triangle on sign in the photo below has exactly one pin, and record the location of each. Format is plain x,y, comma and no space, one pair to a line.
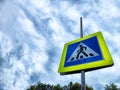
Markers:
82,52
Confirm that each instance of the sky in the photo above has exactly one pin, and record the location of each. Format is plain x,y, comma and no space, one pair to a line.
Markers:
33,34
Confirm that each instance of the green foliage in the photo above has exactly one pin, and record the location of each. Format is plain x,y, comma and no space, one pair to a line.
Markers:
32,87
70,86
89,88
57,87
41,86
75,86
111,87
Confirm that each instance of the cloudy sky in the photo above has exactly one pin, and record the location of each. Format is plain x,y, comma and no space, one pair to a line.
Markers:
33,33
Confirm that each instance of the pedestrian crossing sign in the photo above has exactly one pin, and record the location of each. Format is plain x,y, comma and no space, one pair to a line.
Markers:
87,53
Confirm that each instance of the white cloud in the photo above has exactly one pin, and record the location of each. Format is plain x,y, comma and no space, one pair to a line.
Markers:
7,19
33,39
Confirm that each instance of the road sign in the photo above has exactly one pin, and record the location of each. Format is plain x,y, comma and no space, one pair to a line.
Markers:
87,53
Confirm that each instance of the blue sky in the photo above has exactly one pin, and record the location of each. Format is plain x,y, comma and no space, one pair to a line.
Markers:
33,33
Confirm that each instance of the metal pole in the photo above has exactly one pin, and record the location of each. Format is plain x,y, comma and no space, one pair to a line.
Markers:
81,28
83,86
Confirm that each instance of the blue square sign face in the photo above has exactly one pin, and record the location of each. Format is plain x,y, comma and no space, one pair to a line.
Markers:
82,52
86,53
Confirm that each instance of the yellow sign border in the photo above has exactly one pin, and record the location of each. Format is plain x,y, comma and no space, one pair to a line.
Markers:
107,61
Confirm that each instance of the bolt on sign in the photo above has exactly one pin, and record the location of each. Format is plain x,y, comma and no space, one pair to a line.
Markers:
87,53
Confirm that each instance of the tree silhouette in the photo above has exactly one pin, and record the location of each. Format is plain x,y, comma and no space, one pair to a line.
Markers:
111,87
70,86
32,87
57,87
76,86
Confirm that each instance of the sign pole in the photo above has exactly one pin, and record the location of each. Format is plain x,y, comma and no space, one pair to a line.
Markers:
83,86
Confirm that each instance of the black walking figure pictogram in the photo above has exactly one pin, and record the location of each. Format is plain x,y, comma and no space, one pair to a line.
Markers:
81,50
